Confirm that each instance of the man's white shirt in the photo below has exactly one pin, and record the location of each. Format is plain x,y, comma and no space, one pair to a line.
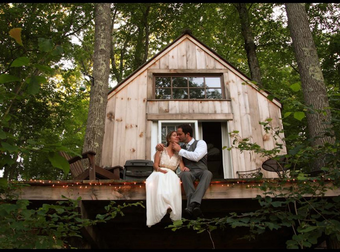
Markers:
196,155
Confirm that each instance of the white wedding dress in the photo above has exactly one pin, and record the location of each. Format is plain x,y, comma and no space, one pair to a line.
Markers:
163,191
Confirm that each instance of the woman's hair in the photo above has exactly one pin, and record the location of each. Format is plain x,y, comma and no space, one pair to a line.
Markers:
168,137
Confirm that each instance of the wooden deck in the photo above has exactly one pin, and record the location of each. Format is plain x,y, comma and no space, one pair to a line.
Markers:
135,190
130,231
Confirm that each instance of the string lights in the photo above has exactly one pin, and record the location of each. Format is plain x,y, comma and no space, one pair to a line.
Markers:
118,184
135,189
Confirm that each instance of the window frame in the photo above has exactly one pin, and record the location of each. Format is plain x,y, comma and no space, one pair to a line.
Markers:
188,88
196,134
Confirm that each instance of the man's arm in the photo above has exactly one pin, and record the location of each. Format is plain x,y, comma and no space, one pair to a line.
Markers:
159,147
198,154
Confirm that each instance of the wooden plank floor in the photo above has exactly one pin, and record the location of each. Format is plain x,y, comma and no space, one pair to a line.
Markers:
130,231
135,190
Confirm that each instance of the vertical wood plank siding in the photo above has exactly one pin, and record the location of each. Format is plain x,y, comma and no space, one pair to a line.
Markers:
128,132
176,107
191,55
141,111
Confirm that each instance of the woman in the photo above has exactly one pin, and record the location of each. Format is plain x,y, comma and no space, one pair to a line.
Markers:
163,187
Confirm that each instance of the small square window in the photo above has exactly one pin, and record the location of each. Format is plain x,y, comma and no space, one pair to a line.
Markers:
180,93
196,82
179,82
163,82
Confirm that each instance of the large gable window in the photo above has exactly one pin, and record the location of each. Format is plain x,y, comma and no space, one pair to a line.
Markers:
188,87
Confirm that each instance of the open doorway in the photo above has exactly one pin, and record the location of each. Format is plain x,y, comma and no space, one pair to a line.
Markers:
213,137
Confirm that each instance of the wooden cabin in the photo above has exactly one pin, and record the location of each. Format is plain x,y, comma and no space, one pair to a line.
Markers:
189,82
185,82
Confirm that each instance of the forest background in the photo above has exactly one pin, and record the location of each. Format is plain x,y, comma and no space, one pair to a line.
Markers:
49,74
47,55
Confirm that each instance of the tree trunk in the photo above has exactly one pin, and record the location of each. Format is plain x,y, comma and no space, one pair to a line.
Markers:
142,46
146,46
312,81
101,68
112,54
249,43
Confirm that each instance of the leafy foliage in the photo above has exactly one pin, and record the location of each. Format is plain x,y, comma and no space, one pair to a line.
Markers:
42,111
36,114
296,201
50,226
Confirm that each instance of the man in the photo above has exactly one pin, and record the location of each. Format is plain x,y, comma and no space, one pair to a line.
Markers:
195,161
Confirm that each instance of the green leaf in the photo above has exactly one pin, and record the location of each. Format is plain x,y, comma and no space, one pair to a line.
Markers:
6,160
45,45
2,134
301,176
295,87
212,228
270,97
31,141
33,88
44,69
5,78
277,203
60,210
57,51
59,162
8,147
178,223
306,229
21,61
100,216
3,182
34,84
299,115
287,114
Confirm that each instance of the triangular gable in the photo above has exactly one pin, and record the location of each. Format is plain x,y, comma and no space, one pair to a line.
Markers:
206,49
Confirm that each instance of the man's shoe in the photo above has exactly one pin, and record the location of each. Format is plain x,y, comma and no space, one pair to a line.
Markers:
194,210
188,212
197,213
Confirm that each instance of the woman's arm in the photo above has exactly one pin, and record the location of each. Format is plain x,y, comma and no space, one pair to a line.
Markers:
182,166
157,159
157,162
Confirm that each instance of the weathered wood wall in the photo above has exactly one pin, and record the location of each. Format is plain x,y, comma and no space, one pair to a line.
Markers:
131,107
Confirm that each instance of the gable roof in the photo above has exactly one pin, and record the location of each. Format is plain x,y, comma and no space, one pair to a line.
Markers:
186,32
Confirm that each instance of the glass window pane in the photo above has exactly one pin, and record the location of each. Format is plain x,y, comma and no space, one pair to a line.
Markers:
180,93
166,128
171,128
164,132
188,87
164,93
213,82
179,82
196,82
197,93
163,82
214,93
